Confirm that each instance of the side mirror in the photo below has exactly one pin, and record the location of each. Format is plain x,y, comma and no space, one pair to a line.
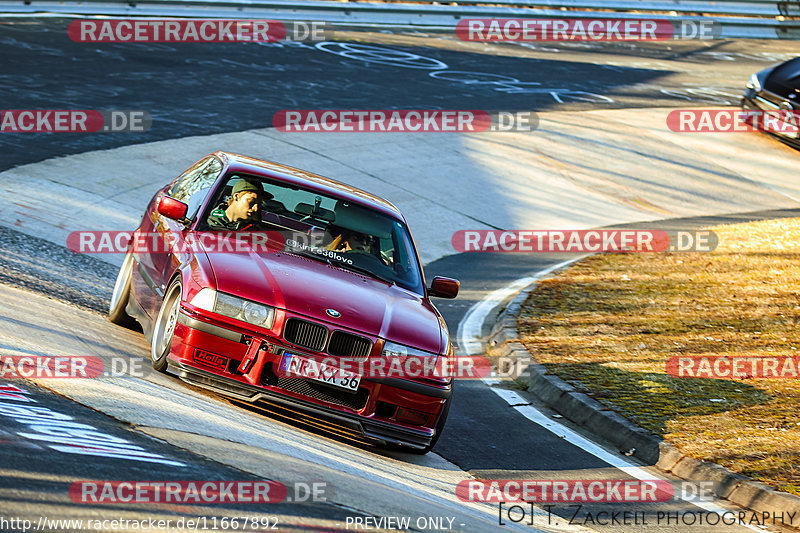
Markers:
172,208
444,287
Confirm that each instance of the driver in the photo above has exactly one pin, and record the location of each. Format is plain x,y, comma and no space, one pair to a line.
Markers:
352,241
243,210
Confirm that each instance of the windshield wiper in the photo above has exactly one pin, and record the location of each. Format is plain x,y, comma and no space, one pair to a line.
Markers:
366,271
345,266
311,255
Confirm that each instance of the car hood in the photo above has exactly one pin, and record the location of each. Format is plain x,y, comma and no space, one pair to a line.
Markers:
784,79
309,287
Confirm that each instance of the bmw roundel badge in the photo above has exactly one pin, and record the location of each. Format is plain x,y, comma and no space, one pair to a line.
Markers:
333,313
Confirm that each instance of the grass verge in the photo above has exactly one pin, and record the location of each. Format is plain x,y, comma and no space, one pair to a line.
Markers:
609,324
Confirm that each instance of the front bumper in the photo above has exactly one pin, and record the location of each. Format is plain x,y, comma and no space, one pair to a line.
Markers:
210,355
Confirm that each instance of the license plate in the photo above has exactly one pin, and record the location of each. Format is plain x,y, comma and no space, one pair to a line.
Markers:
297,366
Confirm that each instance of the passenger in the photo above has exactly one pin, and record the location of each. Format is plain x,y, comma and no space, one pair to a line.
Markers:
243,211
349,241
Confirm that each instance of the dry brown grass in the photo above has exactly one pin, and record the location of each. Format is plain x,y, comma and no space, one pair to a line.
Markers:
609,324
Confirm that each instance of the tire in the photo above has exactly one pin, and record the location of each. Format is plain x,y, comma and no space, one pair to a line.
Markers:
164,327
121,294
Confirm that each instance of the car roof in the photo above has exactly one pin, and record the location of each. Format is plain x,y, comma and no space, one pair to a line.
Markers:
308,180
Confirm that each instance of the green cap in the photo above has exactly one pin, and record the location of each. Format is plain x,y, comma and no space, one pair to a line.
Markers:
243,186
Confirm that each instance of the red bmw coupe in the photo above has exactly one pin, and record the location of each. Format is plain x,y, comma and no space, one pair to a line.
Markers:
333,275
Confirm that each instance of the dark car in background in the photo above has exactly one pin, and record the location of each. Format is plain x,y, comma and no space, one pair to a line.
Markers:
236,321
776,90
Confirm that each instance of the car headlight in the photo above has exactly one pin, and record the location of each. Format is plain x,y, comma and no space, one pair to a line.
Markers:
235,307
754,83
392,349
418,363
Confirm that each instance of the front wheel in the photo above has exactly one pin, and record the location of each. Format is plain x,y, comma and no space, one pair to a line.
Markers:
164,327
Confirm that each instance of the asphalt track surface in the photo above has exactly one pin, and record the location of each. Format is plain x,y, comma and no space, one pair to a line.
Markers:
217,87
191,90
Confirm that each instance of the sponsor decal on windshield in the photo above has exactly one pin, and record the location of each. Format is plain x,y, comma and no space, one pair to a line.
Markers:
330,254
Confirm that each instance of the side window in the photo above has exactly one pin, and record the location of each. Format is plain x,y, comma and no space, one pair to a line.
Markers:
193,186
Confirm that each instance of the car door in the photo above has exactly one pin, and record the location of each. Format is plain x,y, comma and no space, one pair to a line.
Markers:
169,248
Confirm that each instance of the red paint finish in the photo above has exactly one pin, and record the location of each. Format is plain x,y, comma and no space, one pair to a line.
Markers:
336,300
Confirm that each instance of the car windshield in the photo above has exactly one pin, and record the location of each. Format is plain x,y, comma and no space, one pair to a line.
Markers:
325,228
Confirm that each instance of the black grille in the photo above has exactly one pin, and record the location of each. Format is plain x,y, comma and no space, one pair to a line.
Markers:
348,345
353,400
306,334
